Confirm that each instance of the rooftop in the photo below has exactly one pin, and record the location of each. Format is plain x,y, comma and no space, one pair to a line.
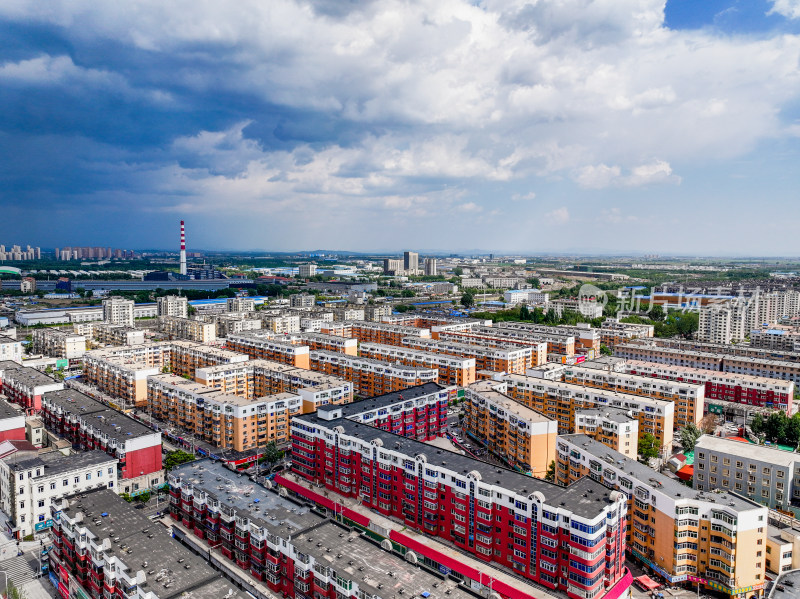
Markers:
577,497
612,414
29,377
170,569
770,455
487,390
55,463
653,479
9,410
381,401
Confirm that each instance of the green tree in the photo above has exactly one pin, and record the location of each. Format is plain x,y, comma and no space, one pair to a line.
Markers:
176,458
606,351
648,447
407,293
468,300
524,313
534,282
656,312
270,454
191,310
689,435
14,592
458,271
551,472
687,324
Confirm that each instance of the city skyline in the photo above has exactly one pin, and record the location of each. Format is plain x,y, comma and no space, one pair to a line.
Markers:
564,127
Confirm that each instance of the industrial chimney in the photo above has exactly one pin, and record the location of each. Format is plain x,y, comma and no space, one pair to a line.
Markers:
183,250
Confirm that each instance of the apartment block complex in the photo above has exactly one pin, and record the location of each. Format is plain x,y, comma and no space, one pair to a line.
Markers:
738,388
30,485
258,378
513,358
103,546
719,538
769,476
560,401
122,371
377,312
172,305
613,332
281,324
25,386
371,377
241,304
562,345
585,337
59,344
517,434
321,341
267,347
221,419
573,538
118,310
187,328
301,300
294,550
234,323
89,425
776,338
116,334
732,320
614,428
688,397
15,252
453,370
380,332
10,349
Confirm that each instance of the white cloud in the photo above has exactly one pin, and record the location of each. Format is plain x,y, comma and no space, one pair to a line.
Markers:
559,216
787,8
469,207
602,176
597,177
517,197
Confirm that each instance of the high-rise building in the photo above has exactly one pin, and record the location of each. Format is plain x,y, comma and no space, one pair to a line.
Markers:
173,305
27,285
118,310
392,266
241,304
430,267
307,270
411,262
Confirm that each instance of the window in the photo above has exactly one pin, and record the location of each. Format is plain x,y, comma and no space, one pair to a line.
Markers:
88,476
52,486
41,503
65,483
22,505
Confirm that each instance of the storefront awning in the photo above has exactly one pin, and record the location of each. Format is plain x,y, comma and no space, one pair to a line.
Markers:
647,583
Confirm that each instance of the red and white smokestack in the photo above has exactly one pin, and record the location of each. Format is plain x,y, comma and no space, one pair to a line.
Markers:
183,250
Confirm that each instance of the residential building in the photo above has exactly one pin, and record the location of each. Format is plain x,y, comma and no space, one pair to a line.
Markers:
348,313
27,285
453,370
258,378
117,334
118,310
301,300
411,262
554,535
172,305
730,320
281,324
296,551
512,358
101,544
738,388
58,343
613,332
263,346
783,544
25,386
376,312
767,475
556,343
379,332
306,271
10,349
560,401
30,486
393,267
613,427
520,436
234,323
321,341
88,425
223,420
371,377
586,338
588,308
525,296
720,538
35,433
187,328
776,337
15,252
12,422
430,267
241,304
687,397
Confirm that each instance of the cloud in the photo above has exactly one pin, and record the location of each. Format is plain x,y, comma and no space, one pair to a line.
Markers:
602,176
788,8
517,197
469,207
616,216
559,216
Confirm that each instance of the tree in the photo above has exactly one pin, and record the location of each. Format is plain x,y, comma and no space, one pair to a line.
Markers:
648,447
606,351
458,271
687,324
467,300
524,313
270,454
551,472
534,282
89,293
14,592
191,310
656,312
688,436
407,293
708,424
176,458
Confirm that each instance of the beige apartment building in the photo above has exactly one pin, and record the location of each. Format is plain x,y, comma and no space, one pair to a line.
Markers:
720,538
511,359
226,421
118,310
560,401
614,428
116,334
187,328
58,343
172,305
517,434
453,370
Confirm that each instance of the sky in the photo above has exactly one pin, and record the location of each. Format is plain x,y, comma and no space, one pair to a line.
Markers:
518,126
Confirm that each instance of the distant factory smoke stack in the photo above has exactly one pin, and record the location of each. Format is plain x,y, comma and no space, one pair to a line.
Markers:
183,250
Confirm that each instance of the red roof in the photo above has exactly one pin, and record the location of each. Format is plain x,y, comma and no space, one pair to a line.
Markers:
685,473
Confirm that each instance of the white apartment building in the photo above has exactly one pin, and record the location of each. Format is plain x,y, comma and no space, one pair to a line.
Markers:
117,334
526,296
29,485
306,271
118,310
172,305
186,328
10,349
241,304
301,300
732,320
281,324
58,344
